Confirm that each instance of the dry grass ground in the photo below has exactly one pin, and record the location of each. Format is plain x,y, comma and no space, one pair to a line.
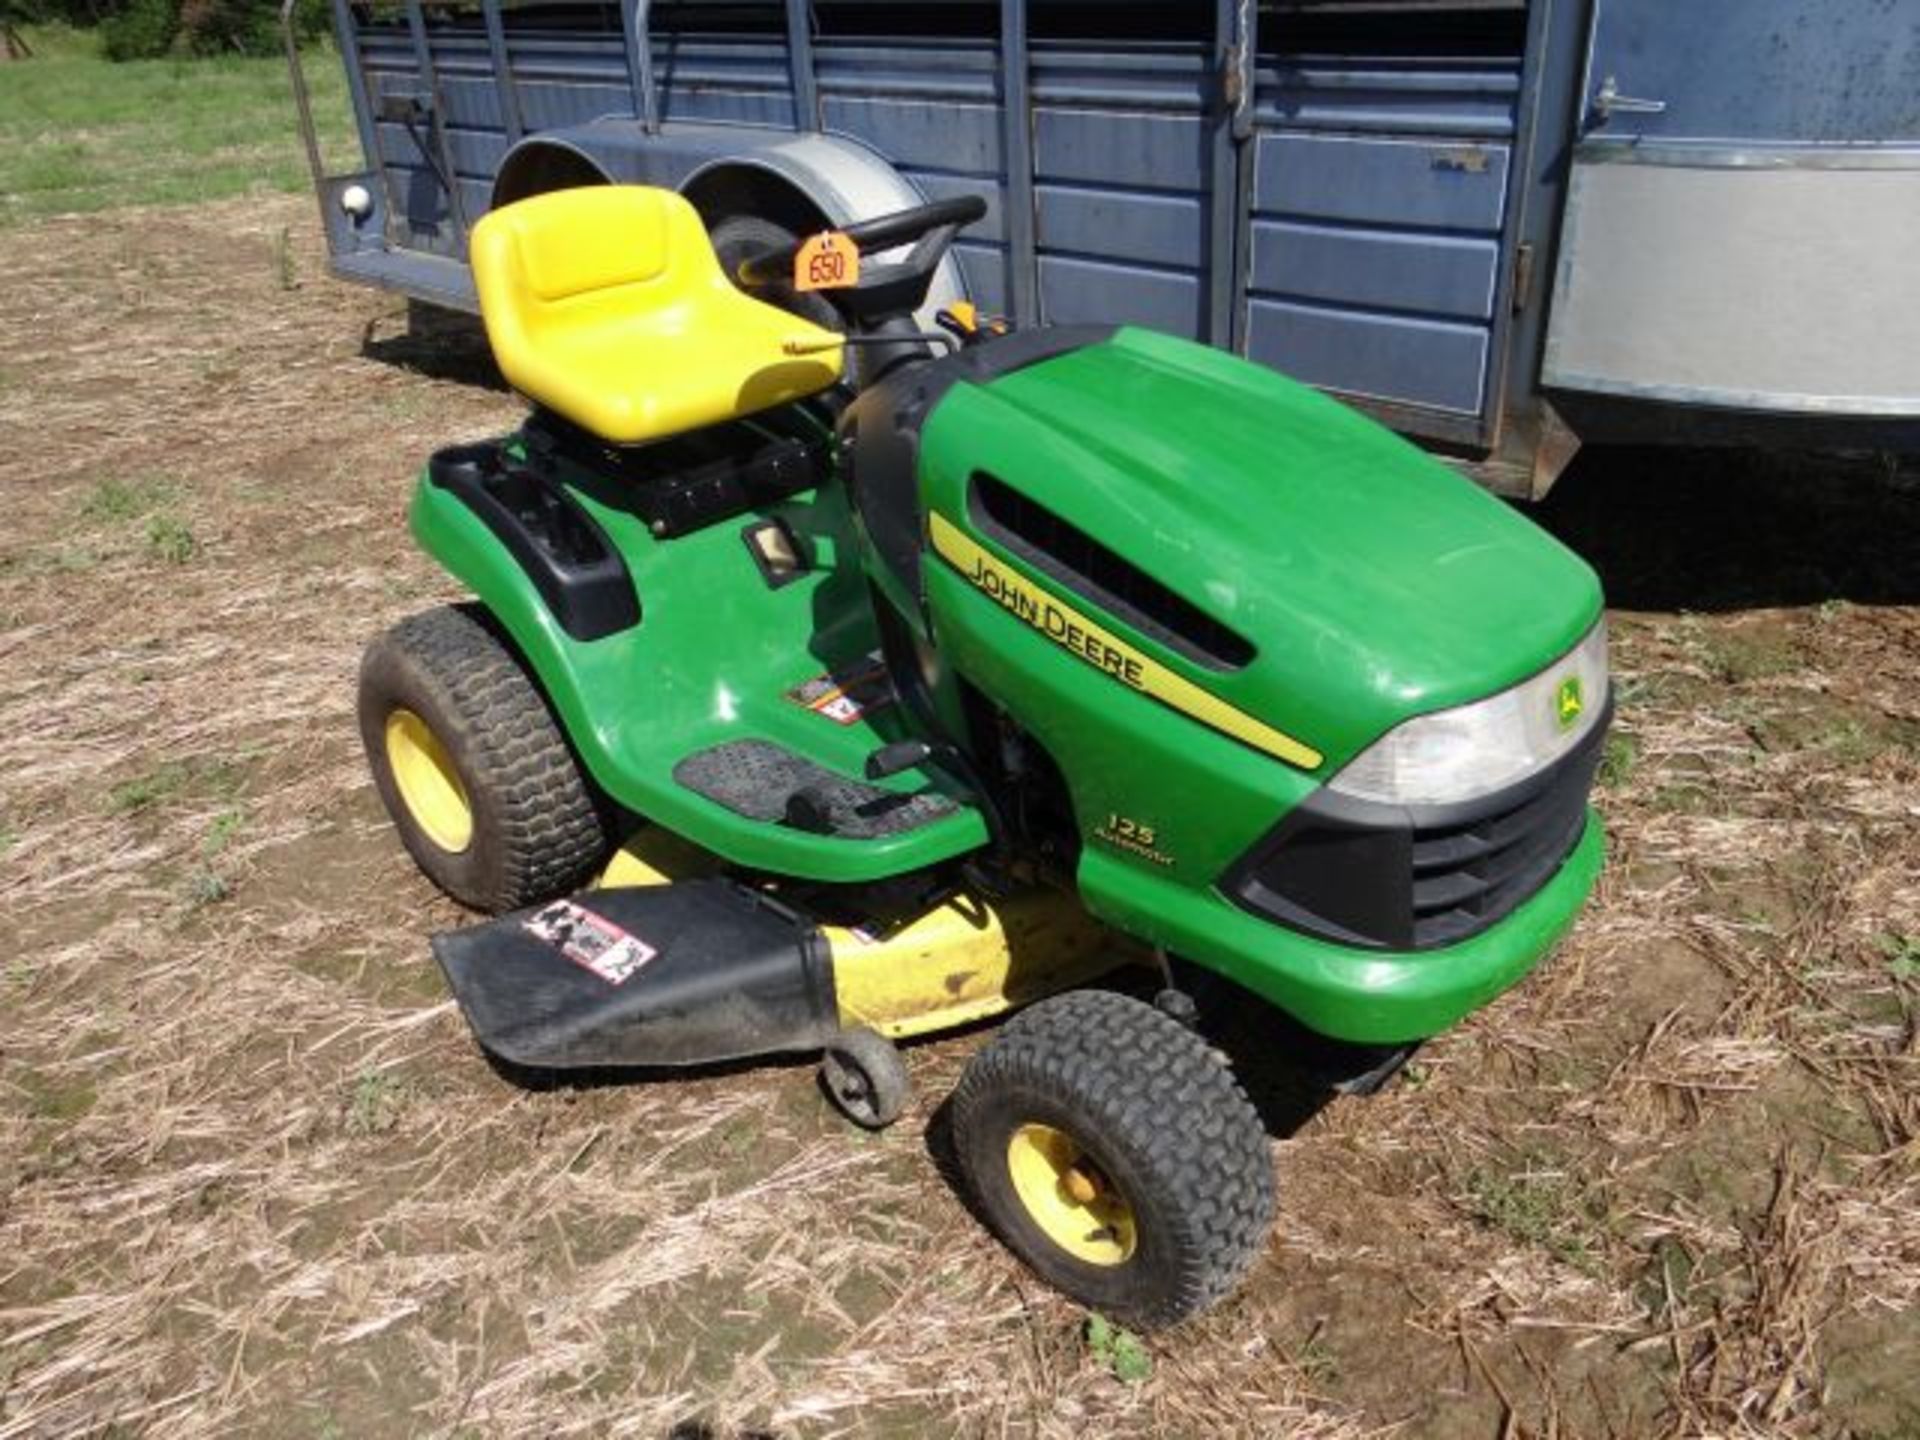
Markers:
254,1179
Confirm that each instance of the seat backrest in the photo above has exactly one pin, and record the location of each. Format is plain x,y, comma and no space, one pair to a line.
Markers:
569,257
606,305
573,242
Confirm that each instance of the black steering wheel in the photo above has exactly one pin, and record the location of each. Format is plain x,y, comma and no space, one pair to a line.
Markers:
883,290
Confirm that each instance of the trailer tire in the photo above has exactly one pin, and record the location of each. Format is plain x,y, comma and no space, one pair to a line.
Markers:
738,236
472,767
1114,1152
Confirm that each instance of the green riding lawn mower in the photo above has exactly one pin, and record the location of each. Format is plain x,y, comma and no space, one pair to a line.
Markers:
832,680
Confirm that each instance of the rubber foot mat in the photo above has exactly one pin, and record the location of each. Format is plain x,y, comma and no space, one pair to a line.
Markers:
765,781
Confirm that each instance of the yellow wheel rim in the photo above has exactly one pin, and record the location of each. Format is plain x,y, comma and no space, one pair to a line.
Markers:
1069,1197
429,786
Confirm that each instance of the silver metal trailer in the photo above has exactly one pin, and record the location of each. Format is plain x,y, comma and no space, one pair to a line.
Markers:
1502,226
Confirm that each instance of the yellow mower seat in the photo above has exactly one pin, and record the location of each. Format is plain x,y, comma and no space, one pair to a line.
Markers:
608,306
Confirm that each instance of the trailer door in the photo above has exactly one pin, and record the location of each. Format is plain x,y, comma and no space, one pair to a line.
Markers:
1743,209
1382,195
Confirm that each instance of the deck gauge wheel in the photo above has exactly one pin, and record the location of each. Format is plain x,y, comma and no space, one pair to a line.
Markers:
865,1078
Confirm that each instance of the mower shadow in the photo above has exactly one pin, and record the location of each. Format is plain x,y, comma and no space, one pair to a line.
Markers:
701,1430
1722,530
1286,1094
545,1080
439,344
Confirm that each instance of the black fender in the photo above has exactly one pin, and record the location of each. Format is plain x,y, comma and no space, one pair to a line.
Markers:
580,575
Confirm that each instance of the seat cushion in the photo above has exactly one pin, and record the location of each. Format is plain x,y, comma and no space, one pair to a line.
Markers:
607,306
666,370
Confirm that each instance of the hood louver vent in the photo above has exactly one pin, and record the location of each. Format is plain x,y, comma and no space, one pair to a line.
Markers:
1062,550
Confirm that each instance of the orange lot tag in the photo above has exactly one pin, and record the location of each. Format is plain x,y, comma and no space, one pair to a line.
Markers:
827,261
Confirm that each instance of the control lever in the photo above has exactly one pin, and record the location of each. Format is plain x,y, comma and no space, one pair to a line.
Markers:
964,322
897,755
834,340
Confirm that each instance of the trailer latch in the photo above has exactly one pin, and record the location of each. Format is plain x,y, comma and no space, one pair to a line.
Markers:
403,107
1608,99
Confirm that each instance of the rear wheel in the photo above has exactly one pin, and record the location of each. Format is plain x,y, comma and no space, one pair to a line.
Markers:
1114,1153
473,769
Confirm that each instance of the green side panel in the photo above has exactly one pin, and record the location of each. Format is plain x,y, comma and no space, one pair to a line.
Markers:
1367,996
1124,755
712,660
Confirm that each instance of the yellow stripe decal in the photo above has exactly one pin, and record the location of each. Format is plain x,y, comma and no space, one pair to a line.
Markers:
1104,650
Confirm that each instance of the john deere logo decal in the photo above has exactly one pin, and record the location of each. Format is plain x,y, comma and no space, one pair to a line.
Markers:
1568,702
1104,650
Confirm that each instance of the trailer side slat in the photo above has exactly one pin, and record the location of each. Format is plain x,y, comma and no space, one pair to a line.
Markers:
1345,220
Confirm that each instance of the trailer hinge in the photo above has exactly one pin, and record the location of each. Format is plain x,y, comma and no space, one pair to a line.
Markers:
1232,85
1236,70
1522,275
1233,90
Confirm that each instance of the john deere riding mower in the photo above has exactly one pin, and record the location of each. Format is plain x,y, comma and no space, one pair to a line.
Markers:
872,710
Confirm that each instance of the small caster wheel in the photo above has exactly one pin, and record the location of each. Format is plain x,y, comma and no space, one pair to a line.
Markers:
865,1078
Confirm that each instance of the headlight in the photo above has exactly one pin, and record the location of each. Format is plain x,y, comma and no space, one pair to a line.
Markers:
1474,750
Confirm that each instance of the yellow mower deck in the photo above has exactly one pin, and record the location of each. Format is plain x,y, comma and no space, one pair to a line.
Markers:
966,959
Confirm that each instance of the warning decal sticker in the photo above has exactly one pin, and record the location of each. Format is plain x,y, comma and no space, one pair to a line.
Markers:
843,696
591,941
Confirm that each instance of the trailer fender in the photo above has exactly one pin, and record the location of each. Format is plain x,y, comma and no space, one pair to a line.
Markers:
829,180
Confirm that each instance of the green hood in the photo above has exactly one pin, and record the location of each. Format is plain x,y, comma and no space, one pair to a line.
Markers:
1372,581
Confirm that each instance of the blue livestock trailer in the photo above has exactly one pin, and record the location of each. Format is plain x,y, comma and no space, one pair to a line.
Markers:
1502,226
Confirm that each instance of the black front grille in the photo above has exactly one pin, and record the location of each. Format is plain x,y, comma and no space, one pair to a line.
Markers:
1466,876
1416,878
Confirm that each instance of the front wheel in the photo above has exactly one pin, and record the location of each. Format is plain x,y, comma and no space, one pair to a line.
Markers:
481,785
1113,1151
